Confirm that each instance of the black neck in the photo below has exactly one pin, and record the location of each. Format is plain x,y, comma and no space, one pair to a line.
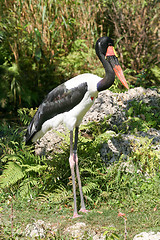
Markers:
109,78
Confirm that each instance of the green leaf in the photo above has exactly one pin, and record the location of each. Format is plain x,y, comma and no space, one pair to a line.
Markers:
115,235
38,54
156,71
11,175
64,21
43,14
130,111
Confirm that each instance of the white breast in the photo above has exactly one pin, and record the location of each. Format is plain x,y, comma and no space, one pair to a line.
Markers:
74,116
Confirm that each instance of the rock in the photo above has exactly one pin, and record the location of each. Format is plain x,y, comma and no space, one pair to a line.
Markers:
82,231
116,105
99,237
121,145
37,229
51,141
77,230
147,236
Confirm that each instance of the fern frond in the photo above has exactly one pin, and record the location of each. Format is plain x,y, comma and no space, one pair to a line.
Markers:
26,186
89,187
26,114
61,194
89,199
11,174
37,168
11,158
88,170
64,135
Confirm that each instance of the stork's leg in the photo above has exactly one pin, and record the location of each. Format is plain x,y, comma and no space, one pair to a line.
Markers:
72,166
83,209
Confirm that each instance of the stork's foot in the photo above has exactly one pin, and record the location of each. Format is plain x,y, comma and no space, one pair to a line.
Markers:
83,210
76,215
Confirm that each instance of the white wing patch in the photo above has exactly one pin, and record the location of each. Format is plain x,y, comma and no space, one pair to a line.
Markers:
91,80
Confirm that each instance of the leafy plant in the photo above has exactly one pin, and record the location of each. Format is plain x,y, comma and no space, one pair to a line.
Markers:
81,59
49,178
21,168
136,31
26,115
35,37
142,116
110,233
146,158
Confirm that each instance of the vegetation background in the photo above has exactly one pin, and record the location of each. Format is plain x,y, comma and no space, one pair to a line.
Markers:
44,43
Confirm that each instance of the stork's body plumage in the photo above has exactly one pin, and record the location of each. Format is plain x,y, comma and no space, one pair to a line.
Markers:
69,102
65,104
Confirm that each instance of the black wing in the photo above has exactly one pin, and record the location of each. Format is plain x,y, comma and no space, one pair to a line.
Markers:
59,100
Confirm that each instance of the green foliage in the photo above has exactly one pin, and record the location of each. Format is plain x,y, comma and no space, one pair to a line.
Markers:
39,31
156,71
81,59
135,30
110,233
142,116
26,115
96,129
15,86
11,175
116,184
45,43
146,158
61,195
22,170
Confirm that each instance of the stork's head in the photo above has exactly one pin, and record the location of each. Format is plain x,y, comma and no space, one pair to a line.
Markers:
105,48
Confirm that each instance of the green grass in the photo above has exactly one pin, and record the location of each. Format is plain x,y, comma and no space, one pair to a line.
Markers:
141,216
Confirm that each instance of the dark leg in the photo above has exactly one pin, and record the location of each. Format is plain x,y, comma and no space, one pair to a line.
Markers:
83,209
72,165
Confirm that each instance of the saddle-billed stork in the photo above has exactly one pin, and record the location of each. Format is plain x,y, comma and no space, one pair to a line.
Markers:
69,102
